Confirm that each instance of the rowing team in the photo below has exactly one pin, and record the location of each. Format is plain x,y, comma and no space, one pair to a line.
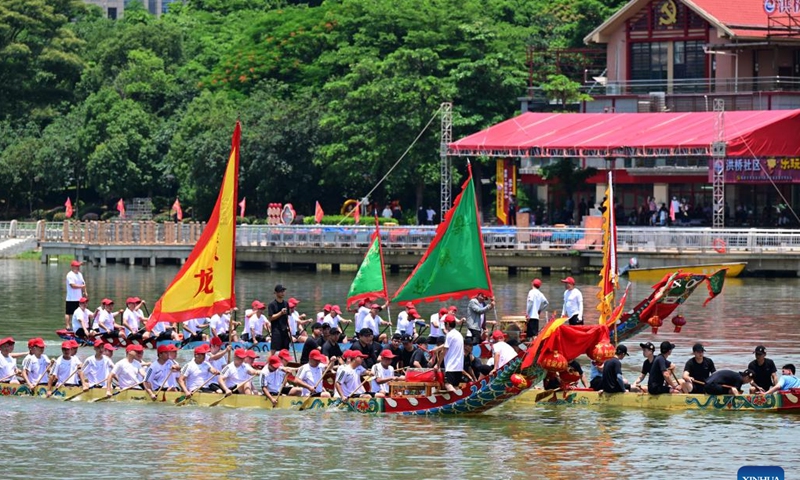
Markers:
699,374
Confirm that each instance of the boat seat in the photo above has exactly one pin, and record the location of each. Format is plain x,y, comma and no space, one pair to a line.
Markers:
399,389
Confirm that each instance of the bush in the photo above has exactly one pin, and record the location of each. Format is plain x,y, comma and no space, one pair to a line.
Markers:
59,217
109,215
163,217
49,215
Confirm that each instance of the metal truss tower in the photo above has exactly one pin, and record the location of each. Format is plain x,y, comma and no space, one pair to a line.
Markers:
446,174
718,156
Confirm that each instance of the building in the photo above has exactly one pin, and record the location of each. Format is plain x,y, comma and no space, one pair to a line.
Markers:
114,9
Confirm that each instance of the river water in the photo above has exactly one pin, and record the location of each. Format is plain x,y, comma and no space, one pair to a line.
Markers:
44,438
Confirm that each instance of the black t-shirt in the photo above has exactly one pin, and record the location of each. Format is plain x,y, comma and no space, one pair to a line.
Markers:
320,341
699,371
371,351
725,377
331,350
281,323
646,366
418,356
396,360
657,380
577,367
610,383
763,373
311,344
405,356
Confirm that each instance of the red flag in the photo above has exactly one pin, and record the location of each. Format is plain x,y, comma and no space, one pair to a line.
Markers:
121,208
357,213
318,213
178,211
672,211
69,211
241,206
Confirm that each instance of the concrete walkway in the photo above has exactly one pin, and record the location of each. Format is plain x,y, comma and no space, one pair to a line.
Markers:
14,246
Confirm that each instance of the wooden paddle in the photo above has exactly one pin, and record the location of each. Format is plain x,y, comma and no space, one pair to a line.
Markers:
39,380
307,402
9,377
542,395
187,397
81,392
166,377
102,399
50,394
235,387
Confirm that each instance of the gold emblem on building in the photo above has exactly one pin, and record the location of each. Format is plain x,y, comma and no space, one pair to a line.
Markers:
669,13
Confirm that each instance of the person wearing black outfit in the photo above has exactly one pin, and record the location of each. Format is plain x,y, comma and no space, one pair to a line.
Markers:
698,369
366,346
278,313
613,381
765,374
648,352
331,348
662,374
312,342
727,382
395,347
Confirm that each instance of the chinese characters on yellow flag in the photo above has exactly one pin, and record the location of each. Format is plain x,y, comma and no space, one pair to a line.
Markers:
205,284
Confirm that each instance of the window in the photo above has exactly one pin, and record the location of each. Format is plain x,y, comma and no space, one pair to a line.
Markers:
649,61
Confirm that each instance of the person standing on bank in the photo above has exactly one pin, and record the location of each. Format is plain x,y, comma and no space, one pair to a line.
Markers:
537,302
76,288
278,313
475,310
573,302
698,369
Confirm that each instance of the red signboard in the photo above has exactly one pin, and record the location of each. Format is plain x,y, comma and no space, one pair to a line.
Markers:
759,170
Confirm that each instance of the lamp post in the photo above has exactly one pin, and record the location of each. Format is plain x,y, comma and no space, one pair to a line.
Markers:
735,64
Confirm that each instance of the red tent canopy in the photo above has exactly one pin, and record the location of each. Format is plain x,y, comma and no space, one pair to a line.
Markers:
746,133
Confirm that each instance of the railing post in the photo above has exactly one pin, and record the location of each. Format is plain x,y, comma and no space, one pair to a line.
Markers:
12,229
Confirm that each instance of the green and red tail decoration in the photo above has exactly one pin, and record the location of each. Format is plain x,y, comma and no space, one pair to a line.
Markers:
454,265
370,281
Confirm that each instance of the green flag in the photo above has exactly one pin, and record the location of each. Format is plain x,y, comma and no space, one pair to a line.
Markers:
455,263
369,283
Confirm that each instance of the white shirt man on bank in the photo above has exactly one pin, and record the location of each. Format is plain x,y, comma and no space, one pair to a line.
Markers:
573,302
536,304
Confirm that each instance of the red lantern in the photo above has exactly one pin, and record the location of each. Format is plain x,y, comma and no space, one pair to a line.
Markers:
679,322
601,352
553,361
519,381
655,322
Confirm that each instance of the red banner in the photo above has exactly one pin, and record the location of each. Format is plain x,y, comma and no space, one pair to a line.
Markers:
758,170
506,180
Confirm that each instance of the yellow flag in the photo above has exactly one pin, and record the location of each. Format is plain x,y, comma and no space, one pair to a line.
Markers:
205,284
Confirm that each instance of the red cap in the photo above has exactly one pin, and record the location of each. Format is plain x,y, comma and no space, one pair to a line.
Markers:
353,354
375,306
498,335
3,341
83,300
336,309
73,344
450,318
134,348
240,353
254,303
65,345
251,354
75,263
327,307
362,302
285,355
409,305
387,354
293,302
318,356
131,300
442,311
99,342
452,308
107,301
568,280
258,305
109,347
414,314
36,342
275,362
202,349
162,349
172,347
536,283
137,299
216,341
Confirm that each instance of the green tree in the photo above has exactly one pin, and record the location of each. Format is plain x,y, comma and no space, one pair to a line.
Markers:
564,90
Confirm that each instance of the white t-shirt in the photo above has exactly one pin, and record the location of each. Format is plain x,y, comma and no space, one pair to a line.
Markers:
96,371
74,278
63,368
157,372
160,327
405,326
573,303
454,358
332,320
127,373
294,319
134,319
373,323
506,351
80,314
220,323
349,381
235,375
536,303
257,324
104,321
35,367
311,376
361,315
196,375
8,366
320,316
272,379
436,331
379,372
403,315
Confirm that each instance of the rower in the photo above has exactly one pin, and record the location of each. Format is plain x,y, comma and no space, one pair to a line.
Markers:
367,347
436,326
132,320
310,374
648,352
311,342
406,322
272,380
158,373
336,311
255,323
361,314
325,311
35,364
216,354
297,322
104,321
80,320
402,318
220,326
375,323
765,374
396,346
612,380
787,381
698,369
348,382
64,369
662,374
331,348
285,357
193,330
237,374
164,331
410,357
724,382
8,363
503,353
384,373
97,367
195,373
128,372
